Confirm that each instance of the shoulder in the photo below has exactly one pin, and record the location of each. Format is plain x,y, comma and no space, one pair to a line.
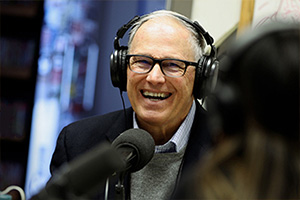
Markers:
200,125
201,113
101,125
84,134
96,121
200,138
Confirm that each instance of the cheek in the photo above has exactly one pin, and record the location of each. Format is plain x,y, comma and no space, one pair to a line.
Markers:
188,81
132,81
130,85
129,80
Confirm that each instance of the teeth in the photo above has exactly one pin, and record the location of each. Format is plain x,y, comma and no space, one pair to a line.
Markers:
156,95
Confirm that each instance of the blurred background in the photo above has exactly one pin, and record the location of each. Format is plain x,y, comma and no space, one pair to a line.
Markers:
54,58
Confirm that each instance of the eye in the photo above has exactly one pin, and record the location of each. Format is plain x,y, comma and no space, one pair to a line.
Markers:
143,62
140,63
173,65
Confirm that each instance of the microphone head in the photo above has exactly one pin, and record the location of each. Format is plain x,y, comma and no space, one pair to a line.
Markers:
142,144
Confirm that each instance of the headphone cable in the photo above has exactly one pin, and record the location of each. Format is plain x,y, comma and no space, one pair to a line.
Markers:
126,124
124,109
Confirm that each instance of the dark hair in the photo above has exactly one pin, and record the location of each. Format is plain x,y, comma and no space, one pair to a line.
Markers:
269,81
261,159
259,79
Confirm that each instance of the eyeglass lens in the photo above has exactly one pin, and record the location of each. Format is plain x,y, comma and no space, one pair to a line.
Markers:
170,67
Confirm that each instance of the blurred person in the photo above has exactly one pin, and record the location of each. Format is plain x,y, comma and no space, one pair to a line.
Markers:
255,116
164,71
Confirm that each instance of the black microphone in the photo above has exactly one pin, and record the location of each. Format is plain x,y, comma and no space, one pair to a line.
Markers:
130,151
136,147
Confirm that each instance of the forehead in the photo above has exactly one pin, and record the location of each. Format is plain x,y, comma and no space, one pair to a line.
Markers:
164,34
165,24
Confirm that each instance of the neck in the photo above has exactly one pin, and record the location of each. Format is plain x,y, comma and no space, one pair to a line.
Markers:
161,132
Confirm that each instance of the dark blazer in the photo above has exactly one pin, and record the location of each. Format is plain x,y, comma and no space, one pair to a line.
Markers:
82,135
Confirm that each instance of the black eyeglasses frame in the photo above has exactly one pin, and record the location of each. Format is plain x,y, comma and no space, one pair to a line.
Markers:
159,61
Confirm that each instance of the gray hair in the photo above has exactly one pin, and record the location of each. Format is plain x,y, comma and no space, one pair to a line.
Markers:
197,41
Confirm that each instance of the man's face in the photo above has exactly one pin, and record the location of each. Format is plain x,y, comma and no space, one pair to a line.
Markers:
161,38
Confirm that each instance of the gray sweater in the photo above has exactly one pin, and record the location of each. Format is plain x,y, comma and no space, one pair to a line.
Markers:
157,179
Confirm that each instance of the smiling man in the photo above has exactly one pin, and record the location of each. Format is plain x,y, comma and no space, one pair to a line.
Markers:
164,68
160,101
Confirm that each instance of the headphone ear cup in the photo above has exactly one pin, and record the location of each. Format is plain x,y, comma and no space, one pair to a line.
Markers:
206,76
123,69
198,81
114,68
118,68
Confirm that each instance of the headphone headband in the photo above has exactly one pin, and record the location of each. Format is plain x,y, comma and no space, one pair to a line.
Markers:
121,32
209,40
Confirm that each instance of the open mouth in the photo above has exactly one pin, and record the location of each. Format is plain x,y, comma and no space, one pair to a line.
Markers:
155,96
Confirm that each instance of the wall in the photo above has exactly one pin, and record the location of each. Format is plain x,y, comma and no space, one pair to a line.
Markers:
217,17
266,11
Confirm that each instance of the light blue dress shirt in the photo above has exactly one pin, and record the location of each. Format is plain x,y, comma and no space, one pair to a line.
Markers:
180,138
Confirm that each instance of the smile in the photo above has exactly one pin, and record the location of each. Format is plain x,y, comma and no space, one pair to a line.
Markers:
155,96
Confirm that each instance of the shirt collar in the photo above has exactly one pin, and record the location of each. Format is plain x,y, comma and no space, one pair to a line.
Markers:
180,138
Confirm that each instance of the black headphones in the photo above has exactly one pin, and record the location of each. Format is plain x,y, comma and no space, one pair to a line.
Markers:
259,77
206,72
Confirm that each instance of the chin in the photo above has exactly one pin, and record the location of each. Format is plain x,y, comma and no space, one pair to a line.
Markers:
153,117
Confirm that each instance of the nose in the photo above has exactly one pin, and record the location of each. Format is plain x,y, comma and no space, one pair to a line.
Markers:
155,76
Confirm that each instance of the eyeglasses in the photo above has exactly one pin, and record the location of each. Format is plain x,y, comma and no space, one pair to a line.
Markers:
170,67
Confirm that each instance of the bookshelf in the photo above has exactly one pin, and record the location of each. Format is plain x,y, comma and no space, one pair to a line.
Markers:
20,25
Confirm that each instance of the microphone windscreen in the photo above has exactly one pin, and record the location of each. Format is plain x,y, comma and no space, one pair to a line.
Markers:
85,174
141,141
